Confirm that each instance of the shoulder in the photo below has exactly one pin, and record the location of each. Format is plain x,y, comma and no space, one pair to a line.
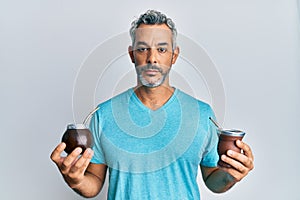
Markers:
111,106
119,98
203,106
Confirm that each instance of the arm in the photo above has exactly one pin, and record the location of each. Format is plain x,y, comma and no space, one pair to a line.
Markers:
93,182
83,177
219,179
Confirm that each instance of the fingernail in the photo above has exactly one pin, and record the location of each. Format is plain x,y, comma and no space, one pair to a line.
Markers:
88,150
229,152
223,157
78,150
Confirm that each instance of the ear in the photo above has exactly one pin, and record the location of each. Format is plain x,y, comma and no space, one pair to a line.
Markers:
175,55
130,52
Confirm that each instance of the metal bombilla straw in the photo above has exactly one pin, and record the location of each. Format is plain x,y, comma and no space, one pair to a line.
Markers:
89,115
215,123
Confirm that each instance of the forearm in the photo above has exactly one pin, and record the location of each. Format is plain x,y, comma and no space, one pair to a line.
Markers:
90,186
219,181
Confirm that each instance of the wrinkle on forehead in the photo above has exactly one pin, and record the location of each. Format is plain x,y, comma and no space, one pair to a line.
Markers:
153,35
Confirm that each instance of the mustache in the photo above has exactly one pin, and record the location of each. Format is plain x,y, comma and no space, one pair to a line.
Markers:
149,67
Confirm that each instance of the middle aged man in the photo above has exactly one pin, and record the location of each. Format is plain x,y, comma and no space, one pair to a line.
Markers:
152,137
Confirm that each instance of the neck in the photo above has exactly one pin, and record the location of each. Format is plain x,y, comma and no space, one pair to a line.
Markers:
154,98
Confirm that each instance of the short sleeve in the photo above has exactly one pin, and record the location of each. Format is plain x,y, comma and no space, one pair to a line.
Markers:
96,129
210,155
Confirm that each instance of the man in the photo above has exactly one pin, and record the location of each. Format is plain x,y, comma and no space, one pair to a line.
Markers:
153,137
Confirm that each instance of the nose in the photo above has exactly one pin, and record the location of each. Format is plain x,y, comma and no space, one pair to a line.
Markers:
151,57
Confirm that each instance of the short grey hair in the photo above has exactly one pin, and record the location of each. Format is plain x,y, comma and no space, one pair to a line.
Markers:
152,17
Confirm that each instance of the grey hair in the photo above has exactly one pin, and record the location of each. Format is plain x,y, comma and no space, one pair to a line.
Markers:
153,17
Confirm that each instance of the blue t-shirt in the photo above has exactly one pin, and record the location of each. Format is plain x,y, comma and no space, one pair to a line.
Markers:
154,154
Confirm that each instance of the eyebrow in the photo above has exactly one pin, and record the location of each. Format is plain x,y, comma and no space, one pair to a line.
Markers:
159,44
163,44
142,43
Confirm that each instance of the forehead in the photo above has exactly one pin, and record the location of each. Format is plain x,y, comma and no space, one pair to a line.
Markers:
156,32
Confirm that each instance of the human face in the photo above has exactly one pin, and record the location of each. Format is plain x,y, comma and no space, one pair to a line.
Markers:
152,54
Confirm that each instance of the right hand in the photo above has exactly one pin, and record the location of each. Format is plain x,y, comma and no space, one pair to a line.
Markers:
72,167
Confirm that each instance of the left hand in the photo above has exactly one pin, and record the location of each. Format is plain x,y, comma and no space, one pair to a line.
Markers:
242,163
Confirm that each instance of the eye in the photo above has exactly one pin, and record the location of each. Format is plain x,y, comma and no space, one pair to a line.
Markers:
141,49
162,50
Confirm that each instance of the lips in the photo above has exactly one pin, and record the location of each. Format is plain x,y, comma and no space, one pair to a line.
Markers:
151,72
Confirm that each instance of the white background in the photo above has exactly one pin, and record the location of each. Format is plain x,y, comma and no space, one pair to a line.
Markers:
254,44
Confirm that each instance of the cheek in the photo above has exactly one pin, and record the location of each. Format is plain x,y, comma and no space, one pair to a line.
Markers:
139,59
166,61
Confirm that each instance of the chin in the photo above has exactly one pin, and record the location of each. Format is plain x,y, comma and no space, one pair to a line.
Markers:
150,83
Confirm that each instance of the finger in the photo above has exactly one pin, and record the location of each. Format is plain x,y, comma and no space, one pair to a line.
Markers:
55,155
239,157
70,160
80,163
237,170
246,149
235,174
83,162
234,163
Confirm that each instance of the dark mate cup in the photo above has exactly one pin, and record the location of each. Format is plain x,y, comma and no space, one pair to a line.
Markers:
227,141
77,135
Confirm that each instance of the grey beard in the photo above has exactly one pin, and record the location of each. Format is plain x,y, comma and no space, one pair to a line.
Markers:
152,85
145,82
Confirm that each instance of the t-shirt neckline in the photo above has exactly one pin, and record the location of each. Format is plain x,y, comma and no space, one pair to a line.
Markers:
140,103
